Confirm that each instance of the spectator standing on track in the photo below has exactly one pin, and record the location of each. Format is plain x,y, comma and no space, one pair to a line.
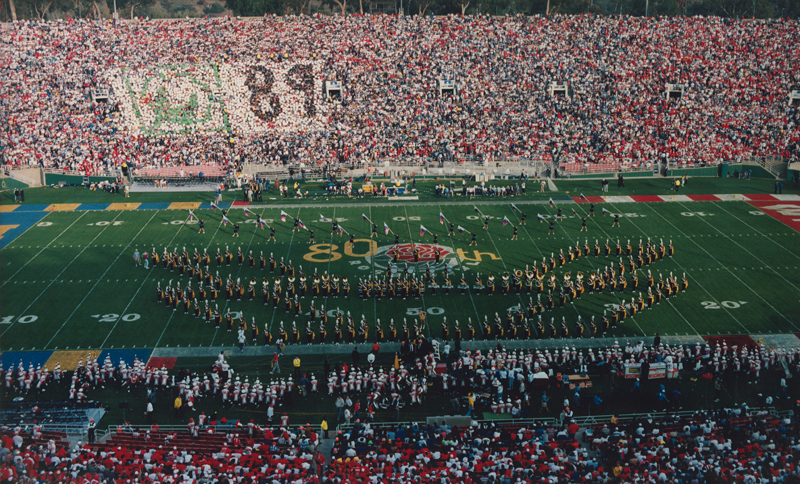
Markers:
296,364
276,364
91,431
324,427
178,406
676,399
242,339
339,407
782,389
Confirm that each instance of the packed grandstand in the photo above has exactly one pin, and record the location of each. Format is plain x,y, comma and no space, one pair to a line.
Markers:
229,90
734,444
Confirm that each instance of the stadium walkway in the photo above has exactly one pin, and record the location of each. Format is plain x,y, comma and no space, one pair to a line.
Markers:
770,340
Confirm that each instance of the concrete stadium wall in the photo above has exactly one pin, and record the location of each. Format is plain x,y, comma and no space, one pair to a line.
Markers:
55,179
707,171
610,175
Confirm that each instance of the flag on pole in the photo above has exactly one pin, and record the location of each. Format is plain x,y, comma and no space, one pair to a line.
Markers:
605,211
583,197
300,223
225,220
574,212
341,229
551,202
247,212
214,206
386,229
476,209
441,218
191,215
461,229
324,218
283,216
261,222
364,216
505,221
539,216
514,207
422,230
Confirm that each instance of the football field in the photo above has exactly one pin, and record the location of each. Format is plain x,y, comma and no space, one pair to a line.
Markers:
69,281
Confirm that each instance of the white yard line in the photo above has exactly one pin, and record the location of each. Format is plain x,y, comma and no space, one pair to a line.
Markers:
330,259
372,260
689,272
737,277
239,272
505,268
108,268
288,252
763,264
62,272
146,277
411,237
43,248
792,253
608,236
461,267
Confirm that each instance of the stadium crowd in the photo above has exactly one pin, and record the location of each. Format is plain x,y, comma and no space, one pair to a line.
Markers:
724,446
737,76
734,444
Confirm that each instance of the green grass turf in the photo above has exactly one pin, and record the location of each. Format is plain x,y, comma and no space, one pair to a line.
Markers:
633,186
77,275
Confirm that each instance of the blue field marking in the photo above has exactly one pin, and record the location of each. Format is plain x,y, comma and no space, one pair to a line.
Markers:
128,356
154,206
13,357
93,206
207,205
13,224
36,207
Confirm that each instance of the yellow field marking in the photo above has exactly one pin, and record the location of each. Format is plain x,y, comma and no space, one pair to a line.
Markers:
62,207
123,206
184,205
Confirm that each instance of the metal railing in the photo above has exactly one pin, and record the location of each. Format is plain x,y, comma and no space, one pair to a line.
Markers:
112,430
581,420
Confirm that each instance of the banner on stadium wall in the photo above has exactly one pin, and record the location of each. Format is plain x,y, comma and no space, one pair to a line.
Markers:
243,99
657,370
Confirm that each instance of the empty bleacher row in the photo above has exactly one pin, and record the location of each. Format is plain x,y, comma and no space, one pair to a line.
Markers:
52,413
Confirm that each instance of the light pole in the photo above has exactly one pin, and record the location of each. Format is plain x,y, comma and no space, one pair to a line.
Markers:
647,7
115,9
